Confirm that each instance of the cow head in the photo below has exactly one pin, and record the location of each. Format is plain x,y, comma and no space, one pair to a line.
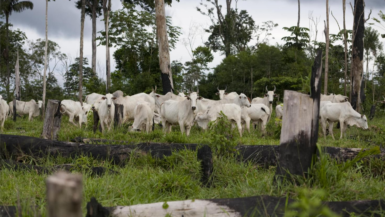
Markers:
244,100
270,95
109,97
40,103
221,93
361,122
193,97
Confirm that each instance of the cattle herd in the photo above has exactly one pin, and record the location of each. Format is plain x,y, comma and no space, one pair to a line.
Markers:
186,110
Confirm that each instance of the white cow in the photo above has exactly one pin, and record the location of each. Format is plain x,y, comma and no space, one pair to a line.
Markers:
117,93
3,112
40,103
93,98
160,99
179,112
181,94
279,111
106,111
334,98
256,113
223,95
204,104
232,111
30,108
129,104
143,117
74,109
267,100
343,113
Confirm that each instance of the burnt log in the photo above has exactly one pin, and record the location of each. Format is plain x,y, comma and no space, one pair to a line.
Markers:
299,132
7,211
52,120
205,156
248,206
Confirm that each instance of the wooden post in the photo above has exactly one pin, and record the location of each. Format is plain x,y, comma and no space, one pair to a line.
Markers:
299,132
119,109
96,121
52,120
205,155
64,195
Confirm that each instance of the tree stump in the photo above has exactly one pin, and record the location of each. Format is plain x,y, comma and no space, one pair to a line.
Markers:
52,120
64,195
119,109
205,155
299,132
96,121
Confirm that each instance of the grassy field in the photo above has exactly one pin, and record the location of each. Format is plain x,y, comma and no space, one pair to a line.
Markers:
145,180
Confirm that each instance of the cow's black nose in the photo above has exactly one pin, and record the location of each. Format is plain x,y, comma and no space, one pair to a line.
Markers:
193,108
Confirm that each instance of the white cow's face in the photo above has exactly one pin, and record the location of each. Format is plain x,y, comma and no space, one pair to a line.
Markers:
360,122
270,95
109,97
244,100
193,97
40,103
221,93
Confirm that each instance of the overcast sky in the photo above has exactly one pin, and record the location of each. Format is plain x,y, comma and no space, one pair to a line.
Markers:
64,23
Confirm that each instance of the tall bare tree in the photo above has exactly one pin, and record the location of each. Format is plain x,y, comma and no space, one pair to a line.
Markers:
357,54
83,14
106,13
327,48
45,58
17,86
345,46
164,50
299,13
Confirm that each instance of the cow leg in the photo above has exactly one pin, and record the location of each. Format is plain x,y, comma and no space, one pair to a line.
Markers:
263,128
71,120
181,125
102,125
247,120
30,116
188,128
331,125
80,121
148,125
239,127
323,124
342,126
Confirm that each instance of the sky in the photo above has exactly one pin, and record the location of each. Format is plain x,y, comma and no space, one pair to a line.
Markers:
64,24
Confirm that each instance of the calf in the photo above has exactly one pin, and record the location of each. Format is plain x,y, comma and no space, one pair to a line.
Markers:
179,112
30,108
342,113
106,111
257,113
143,117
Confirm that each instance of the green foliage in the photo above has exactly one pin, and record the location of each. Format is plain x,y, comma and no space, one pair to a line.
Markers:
222,136
196,68
299,37
379,21
309,204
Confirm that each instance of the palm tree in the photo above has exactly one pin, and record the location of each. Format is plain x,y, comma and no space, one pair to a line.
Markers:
8,7
371,45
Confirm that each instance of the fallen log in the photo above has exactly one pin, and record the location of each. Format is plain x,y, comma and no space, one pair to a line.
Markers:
7,211
234,207
9,164
12,147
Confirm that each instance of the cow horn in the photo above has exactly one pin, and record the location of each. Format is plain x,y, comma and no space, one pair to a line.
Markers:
218,88
267,89
274,88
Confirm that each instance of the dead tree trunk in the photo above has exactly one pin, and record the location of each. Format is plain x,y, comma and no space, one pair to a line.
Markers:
17,87
164,50
345,48
64,195
357,54
52,120
118,115
327,49
299,132
96,121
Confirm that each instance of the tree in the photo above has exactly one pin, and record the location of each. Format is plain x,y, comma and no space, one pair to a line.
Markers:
45,58
93,9
164,50
106,13
382,17
299,13
327,49
372,45
345,47
230,32
83,14
8,7
197,66
299,37
357,54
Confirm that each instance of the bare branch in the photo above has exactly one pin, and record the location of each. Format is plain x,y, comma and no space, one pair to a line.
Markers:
369,15
336,20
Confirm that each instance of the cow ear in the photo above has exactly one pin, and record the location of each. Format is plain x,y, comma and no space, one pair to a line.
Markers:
157,95
104,97
226,93
239,97
199,97
113,98
266,95
188,97
275,95
216,93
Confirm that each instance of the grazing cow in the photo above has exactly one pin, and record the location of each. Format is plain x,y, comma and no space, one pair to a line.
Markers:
129,104
143,117
106,111
223,95
93,98
232,111
256,113
334,98
75,110
3,112
30,108
179,112
342,113
279,111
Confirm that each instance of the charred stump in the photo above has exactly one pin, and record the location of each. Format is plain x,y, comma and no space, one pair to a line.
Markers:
299,132
118,119
52,120
205,156
96,121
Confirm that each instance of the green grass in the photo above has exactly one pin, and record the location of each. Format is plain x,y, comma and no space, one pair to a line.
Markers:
146,180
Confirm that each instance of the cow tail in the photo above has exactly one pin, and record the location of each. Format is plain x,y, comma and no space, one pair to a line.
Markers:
268,114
